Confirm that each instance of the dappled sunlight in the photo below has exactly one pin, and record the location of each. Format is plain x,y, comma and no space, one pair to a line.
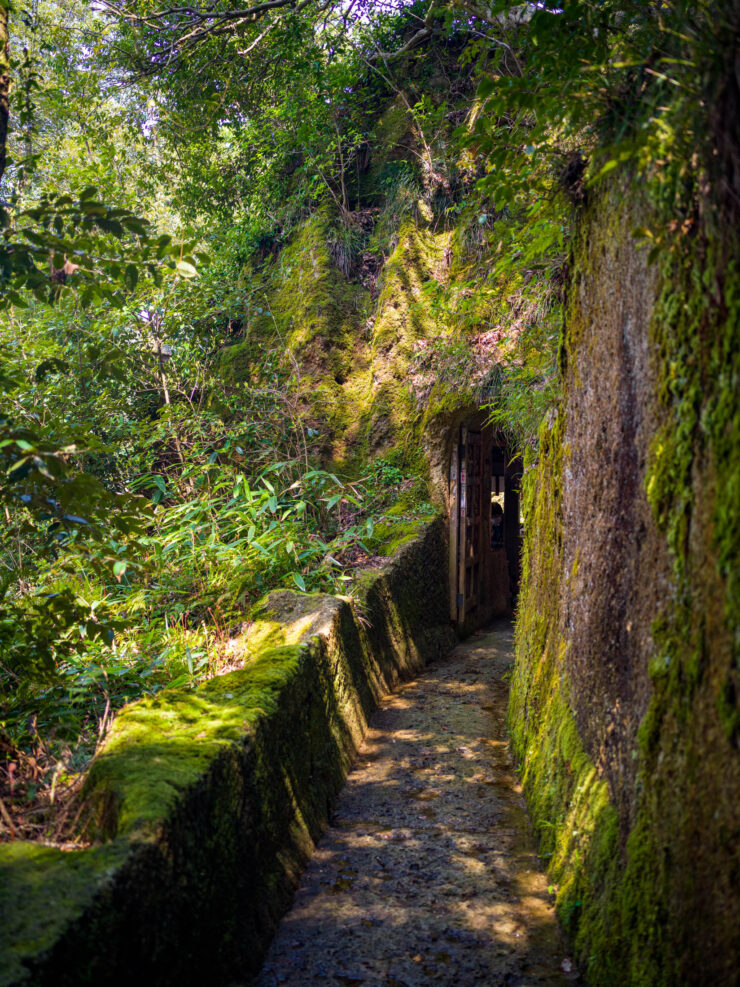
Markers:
429,873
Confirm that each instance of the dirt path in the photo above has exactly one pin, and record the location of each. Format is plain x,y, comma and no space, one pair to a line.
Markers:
428,874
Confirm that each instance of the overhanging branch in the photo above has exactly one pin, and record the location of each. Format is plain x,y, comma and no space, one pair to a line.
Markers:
184,28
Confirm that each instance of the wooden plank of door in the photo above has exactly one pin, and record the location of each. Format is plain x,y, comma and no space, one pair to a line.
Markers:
485,535
463,526
473,521
454,510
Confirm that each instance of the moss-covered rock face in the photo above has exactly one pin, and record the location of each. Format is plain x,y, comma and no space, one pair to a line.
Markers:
624,706
362,384
207,804
354,353
354,356
317,319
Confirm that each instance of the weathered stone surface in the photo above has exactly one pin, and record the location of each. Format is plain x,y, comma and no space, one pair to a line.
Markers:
625,710
208,803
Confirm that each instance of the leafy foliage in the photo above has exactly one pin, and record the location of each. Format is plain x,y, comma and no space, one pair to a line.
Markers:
150,187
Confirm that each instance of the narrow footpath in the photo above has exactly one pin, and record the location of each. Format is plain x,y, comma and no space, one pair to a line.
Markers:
429,873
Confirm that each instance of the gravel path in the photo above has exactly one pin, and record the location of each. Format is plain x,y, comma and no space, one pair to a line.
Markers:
428,874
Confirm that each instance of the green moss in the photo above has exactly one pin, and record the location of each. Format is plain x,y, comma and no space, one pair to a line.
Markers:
395,532
237,363
686,769
405,316
315,318
312,310
42,890
388,142
642,904
284,617
356,390
404,312
353,370
575,822
160,746
698,338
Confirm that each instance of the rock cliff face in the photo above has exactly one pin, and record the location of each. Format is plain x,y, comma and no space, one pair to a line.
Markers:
624,709
368,361
388,319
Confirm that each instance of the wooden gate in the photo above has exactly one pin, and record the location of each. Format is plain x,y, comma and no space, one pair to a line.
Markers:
468,525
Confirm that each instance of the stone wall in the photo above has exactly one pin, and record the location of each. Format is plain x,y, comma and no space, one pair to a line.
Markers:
625,701
205,805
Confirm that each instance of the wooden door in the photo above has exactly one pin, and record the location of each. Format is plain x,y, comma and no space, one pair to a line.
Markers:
473,527
466,525
454,512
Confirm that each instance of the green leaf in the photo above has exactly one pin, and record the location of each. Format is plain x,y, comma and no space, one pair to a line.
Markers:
53,365
299,581
485,88
186,270
92,208
606,168
131,276
136,224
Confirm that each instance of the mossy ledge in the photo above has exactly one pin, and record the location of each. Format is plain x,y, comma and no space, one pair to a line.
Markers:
208,803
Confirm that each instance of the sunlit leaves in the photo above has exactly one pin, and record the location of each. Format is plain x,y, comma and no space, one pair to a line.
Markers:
186,269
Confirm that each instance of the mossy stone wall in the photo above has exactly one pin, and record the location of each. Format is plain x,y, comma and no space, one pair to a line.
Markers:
207,803
625,701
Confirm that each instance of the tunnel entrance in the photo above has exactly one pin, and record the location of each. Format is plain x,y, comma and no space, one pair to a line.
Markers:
485,526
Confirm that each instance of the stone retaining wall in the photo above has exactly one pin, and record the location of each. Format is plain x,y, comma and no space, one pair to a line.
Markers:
206,804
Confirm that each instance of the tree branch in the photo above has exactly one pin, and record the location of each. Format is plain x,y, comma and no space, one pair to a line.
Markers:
184,29
4,85
192,14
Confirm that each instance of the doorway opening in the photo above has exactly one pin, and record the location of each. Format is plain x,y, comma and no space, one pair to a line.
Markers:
485,526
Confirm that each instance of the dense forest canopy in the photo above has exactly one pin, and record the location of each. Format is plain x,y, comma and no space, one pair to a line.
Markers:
156,160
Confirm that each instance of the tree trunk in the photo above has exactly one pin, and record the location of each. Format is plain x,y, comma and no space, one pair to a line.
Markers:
4,83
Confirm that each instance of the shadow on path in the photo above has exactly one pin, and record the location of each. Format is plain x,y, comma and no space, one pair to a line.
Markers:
428,874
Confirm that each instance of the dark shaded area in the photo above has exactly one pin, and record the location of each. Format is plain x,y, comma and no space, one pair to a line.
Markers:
485,529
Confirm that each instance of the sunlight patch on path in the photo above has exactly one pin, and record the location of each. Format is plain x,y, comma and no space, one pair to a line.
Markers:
428,874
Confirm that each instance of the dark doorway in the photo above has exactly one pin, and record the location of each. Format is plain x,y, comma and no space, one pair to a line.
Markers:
485,526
